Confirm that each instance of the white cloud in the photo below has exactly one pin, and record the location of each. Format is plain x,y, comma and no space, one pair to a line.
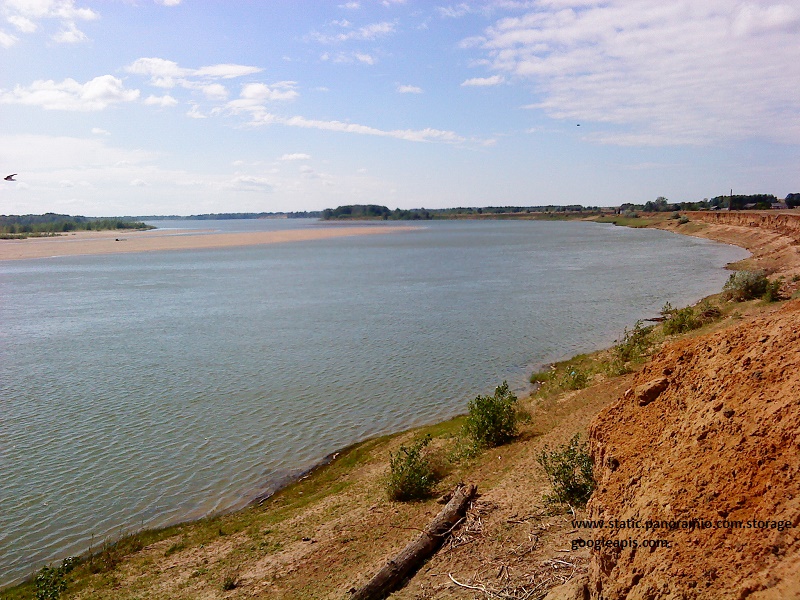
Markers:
25,16
364,58
408,89
168,74
23,24
295,156
455,12
250,183
484,81
7,40
366,33
70,35
195,113
137,183
350,5
682,72
169,2
215,91
349,58
97,94
163,73
412,135
225,71
98,131
163,101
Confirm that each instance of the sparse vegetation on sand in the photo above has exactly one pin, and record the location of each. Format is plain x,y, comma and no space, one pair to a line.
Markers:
570,471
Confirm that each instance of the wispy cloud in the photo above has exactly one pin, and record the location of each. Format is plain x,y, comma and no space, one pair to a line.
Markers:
484,81
163,101
408,89
412,135
683,72
250,183
168,74
97,94
365,33
349,58
296,156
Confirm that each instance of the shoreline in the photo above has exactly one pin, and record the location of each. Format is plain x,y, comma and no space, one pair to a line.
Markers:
710,232
289,479
87,243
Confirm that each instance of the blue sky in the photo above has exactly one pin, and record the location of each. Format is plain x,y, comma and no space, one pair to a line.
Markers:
185,106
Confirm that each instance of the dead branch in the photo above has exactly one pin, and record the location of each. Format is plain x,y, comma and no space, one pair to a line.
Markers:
393,573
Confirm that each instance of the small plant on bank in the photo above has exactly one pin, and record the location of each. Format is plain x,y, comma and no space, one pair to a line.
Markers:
745,285
773,291
679,320
492,420
570,471
411,474
635,343
51,582
230,580
683,220
575,379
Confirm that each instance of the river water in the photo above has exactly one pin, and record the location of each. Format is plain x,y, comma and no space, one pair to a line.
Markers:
144,389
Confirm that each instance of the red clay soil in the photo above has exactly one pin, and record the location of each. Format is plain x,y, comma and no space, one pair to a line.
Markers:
710,432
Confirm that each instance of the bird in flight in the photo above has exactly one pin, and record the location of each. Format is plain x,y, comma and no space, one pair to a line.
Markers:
10,177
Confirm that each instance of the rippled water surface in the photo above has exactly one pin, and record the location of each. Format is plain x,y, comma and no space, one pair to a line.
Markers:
150,388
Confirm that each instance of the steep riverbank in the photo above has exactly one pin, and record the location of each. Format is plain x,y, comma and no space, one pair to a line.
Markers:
330,531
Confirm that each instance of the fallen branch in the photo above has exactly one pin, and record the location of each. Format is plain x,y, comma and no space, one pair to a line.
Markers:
396,570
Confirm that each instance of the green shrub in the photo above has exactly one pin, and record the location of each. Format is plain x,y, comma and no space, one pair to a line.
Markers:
575,379
50,583
492,420
773,291
683,220
679,320
635,344
707,312
570,471
745,285
411,475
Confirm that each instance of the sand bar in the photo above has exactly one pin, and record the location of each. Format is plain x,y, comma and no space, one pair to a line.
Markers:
118,242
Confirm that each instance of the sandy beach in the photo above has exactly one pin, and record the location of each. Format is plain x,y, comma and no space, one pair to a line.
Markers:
117,242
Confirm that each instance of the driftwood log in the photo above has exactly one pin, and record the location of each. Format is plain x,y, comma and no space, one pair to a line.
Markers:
394,572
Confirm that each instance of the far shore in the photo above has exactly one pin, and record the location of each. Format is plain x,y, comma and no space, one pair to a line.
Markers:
157,240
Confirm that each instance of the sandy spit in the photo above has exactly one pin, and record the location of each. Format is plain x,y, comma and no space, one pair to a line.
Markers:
118,242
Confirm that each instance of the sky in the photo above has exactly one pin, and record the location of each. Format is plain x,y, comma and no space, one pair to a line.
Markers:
158,107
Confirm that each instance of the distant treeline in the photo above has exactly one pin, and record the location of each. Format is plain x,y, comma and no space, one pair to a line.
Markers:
731,202
306,214
374,211
52,223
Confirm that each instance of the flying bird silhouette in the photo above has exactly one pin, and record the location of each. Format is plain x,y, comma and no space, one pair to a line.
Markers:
11,177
